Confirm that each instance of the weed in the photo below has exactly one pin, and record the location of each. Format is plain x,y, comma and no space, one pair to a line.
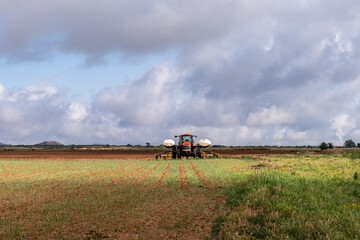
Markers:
245,158
93,235
273,200
216,229
352,155
277,197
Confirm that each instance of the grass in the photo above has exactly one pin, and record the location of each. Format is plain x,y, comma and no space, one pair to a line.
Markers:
276,197
352,155
282,205
77,200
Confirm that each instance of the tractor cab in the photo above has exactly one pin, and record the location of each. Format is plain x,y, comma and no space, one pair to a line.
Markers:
186,140
186,146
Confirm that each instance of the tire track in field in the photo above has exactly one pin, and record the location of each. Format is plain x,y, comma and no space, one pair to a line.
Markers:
68,170
183,181
200,175
76,172
63,193
139,179
32,175
116,180
75,190
94,174
83,172
161,179
17,173
72,172
35,175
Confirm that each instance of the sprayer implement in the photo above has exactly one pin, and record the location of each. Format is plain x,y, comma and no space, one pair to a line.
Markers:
186,147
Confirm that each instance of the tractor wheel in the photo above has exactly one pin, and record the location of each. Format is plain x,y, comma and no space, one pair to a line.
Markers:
194,153
174,152
200,153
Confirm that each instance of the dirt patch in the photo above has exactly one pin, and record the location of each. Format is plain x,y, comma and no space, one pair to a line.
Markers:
144,211
116,180
94,174
36,175
164,174
200,175
246,152
183,181
119,154
182,217
260,165
139,179
79,155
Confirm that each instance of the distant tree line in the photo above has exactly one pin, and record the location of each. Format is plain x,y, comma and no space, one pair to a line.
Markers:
350,144
347,144
325,145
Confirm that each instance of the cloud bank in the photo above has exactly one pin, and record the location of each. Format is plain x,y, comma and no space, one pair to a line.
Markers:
246,72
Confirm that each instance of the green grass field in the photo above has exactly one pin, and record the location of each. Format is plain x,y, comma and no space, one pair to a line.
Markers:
275,197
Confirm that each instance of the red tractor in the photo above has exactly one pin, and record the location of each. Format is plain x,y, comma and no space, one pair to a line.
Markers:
186,147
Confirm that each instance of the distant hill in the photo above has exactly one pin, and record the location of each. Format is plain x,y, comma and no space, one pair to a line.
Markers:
49,143
3,144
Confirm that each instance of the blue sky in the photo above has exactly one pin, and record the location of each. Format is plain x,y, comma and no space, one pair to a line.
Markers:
236,72
81,82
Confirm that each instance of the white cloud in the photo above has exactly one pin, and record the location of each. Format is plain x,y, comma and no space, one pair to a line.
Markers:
2,91
32,30
342,124
279,135
10,115
301,136
30,114
212,56
270,116
76,112
246,72
36,93
269,45
147,101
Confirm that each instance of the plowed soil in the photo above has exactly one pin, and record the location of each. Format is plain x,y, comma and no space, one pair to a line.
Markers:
164,174
239,152
78,155
200,175
117,154
183,182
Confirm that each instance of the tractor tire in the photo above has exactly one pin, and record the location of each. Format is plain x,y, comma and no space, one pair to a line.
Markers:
174,152
194,153
200,153
178,154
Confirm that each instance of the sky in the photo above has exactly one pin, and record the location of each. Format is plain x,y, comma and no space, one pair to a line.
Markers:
237,72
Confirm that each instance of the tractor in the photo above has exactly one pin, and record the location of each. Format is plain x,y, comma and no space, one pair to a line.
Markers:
186,147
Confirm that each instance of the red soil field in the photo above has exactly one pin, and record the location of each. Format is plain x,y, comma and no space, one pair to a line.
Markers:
239,152
117,154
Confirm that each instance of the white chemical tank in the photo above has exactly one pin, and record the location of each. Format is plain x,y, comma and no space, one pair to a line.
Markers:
168,143
204,142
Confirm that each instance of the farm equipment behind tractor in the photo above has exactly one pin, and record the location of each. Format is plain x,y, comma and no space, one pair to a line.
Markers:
186,147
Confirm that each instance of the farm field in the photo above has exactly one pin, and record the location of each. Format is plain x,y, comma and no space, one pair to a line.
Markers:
115,154
247,197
